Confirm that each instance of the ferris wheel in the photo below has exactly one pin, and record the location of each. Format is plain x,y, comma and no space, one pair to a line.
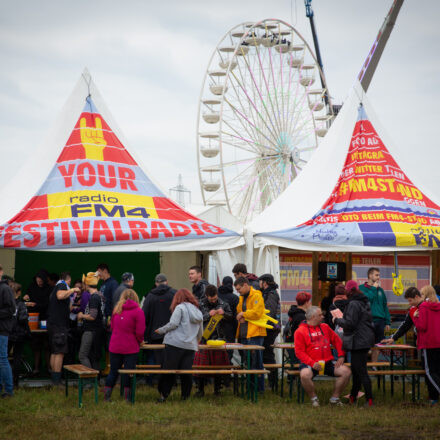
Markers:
262,111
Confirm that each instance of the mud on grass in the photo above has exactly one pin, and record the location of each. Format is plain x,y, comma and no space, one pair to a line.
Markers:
48,414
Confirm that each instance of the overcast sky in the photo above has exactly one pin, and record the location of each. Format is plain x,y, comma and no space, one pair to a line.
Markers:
148,59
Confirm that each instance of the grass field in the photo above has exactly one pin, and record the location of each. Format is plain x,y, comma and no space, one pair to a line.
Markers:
47,414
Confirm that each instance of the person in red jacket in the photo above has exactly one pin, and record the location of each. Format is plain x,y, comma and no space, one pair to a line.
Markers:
427,322
128,327
313,348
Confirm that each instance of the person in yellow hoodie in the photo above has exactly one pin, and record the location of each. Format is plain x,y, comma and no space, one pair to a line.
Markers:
251,308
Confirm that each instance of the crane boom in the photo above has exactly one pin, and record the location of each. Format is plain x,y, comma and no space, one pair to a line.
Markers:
370,64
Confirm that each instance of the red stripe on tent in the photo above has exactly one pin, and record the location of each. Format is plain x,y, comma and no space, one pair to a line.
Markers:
113,152
36,209
168,210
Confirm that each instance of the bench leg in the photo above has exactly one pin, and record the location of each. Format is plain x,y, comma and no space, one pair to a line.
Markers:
418,387
133,389
256,377
413,388
96,389
80,392
66,380
248,378
403,386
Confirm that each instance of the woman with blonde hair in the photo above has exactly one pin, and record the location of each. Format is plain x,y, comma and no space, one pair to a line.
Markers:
429,294
427,322
128,327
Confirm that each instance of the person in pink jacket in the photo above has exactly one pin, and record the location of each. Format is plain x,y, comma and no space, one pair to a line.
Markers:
427,321
128,327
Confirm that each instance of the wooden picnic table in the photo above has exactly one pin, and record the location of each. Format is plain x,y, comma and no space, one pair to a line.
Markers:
392,348
284,346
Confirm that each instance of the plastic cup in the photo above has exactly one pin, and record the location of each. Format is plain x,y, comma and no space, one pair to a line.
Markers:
321,371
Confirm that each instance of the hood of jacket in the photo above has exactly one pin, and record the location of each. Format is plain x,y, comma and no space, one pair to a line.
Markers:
295,311
359,297
225,289
130,305
161,290
252,277
195,315
434,306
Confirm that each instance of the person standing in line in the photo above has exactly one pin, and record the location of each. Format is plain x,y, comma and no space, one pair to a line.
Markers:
379,307
58,324
108,288
37,301
128,327
127,282
211,305
226,294
240,271
427,322
182,335
358,338
199,284
340,301
7,311
157,312
93,324
20,332
251,308
269,290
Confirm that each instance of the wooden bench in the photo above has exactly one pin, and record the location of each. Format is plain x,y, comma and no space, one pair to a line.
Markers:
82,372
253,394
415,374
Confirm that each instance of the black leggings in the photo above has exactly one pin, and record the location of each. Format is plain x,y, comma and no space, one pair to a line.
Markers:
431,358
360,373
116,361
176,358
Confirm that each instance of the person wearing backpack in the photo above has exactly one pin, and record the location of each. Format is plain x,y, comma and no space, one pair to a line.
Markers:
93,324
19,334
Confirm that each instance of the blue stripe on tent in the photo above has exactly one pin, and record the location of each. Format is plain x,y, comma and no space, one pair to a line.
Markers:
90,106
377,234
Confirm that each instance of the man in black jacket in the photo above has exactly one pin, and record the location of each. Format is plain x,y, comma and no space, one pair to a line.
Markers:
226,294
127,283
195,276
157,312
7,311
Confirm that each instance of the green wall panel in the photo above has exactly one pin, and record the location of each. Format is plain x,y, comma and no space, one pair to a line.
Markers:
144,265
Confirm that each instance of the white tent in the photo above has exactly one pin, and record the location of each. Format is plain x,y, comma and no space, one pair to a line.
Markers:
97,196
304,201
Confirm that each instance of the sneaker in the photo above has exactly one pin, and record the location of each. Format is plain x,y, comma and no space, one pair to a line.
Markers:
351,400
6,395
315,402
335,401
161,399
433,402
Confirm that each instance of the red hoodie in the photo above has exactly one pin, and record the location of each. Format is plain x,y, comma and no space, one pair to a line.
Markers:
428,325
313,343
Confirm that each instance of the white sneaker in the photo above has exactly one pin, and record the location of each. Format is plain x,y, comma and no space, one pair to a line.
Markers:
335,401
315,402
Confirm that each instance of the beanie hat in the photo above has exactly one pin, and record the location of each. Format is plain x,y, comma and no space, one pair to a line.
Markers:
90,279
351,285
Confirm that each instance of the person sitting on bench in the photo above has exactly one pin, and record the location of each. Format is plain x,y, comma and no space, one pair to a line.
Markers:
313,341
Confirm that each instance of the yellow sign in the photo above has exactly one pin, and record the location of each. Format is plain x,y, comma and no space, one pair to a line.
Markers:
93,139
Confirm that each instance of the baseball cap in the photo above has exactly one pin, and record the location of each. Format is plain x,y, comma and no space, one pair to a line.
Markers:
160,278
127,276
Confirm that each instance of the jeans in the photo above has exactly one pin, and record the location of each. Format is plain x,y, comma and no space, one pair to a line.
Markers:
257,358
176,358
90,350
5,368
116,361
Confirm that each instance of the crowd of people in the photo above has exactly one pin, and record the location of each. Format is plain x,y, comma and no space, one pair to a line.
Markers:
95,315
